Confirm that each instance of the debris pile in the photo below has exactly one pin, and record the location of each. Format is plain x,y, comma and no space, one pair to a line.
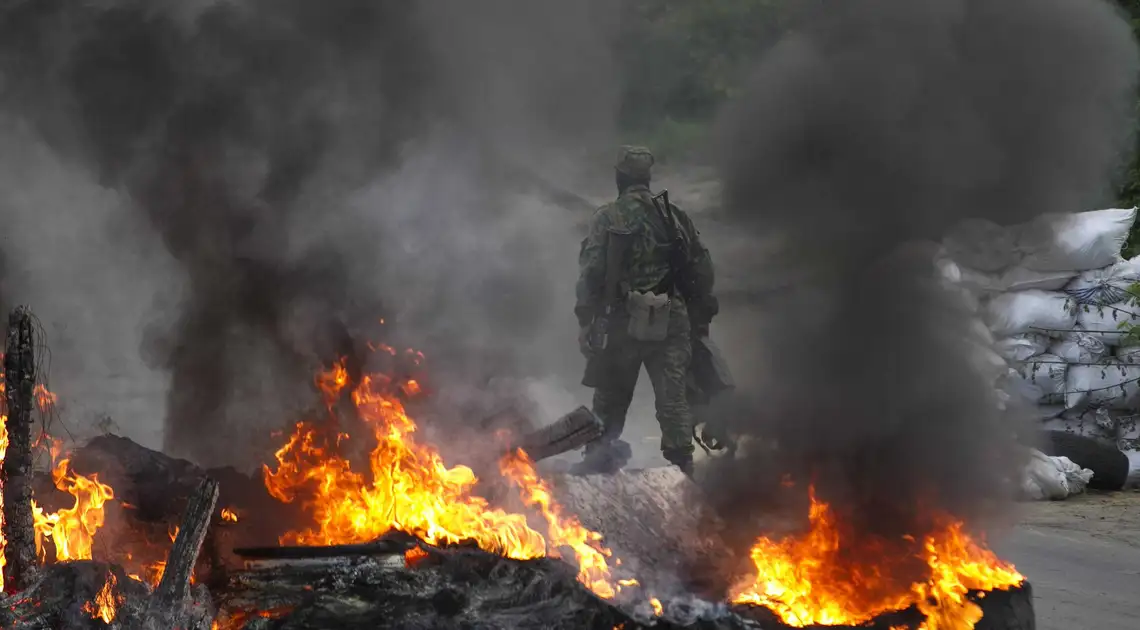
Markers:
332,535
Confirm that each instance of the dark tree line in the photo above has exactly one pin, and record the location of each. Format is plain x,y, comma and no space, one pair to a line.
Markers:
683,58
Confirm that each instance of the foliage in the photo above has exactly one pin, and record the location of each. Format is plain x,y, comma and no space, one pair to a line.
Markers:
680,59
1129,193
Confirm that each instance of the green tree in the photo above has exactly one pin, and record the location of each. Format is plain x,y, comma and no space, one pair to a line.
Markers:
681,59
1129,192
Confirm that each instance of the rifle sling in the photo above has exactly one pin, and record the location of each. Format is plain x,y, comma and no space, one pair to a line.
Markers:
665,213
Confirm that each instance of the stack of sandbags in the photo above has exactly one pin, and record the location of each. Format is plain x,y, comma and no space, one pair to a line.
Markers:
1057,298
1054,293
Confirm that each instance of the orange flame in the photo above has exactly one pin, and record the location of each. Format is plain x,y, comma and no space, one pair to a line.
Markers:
824,578
106,602
413,556
72,530
593,571
408,488
229,515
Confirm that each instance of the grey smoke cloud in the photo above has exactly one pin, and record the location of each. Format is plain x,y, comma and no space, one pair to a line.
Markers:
304,170
872,127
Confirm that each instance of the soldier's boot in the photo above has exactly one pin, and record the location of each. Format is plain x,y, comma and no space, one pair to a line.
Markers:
603,457
680,459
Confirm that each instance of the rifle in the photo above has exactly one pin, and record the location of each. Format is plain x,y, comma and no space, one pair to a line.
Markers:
708,373
599,336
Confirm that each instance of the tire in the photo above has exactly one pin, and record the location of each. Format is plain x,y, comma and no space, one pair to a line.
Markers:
1109,465
1008,610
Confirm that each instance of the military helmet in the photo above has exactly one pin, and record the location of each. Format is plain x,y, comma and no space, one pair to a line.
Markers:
634,161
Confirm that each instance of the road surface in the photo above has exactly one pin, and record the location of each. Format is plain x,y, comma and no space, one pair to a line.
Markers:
1083,558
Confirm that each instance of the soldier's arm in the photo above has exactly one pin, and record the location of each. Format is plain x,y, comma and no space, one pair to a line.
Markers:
592,268
704,305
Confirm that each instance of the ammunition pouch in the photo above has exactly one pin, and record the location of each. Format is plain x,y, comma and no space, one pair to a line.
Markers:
648,316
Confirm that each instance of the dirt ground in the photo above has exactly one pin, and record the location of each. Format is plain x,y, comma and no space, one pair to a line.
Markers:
1108,516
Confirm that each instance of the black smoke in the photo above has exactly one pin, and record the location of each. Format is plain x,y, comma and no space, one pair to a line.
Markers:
871,129
243,133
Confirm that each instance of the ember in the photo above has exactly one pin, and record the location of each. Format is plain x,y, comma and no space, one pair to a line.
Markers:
410,489
826,577
229,515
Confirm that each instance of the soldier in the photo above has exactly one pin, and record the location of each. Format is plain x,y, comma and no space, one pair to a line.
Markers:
644,291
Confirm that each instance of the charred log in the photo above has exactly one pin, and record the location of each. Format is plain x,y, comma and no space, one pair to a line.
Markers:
169,606
443,589
19,383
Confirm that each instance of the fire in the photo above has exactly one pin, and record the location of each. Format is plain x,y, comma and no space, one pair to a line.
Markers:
72,530
229,515
656,604
413,556
106,602
822,578
593,571
408,488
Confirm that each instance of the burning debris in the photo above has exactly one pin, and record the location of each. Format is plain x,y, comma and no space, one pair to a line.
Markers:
830,576
395,538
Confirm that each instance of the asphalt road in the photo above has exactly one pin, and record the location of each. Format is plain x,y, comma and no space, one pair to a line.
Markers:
1083,559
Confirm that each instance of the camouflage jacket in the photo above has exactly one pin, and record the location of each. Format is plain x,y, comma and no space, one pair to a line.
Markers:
647,260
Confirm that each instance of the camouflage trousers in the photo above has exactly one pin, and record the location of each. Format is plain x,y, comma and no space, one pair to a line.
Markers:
667,363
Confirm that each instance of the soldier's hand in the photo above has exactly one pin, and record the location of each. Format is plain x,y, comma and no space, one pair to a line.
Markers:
584,342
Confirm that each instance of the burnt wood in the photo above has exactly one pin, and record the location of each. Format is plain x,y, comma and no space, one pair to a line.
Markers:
20,383
572,431
168,604
378,548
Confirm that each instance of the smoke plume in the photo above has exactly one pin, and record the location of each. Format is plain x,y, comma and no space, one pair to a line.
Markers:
862,137
308,170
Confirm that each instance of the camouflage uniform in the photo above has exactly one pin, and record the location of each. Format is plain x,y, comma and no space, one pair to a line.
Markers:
646,267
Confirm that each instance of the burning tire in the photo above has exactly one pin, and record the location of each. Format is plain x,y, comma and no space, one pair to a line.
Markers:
1109,465
1001,610
1008,610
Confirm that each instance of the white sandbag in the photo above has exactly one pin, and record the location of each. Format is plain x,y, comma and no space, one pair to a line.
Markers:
1015,278
980,282
1022,347
987,364
1080,241
981,245
951,276
1053,478
1043,413
1115,386
1105,322
1043,379
1092,422
1079,347
1049,312
1127,354
1022,279
981,333
1105,286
